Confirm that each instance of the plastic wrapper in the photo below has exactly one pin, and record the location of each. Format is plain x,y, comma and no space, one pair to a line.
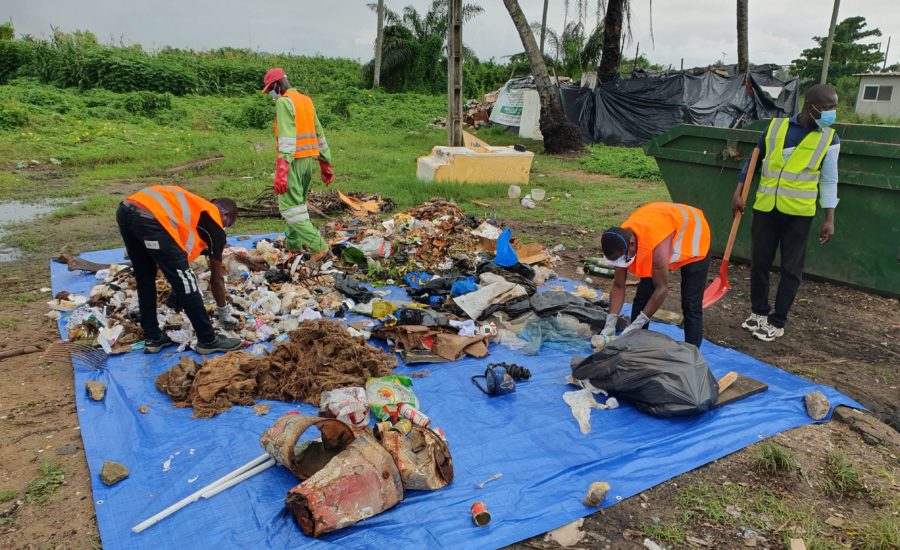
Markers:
385,393
347,405
561,332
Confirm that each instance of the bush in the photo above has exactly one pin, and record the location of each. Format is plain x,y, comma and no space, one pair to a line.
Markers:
257,112
13,114
621,162
53,100
13,54
147,104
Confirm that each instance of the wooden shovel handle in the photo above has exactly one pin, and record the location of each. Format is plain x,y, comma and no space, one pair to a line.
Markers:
745,190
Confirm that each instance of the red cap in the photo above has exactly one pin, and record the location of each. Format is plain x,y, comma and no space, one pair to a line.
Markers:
272,76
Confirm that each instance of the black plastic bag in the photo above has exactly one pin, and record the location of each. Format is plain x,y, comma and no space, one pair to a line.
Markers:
658,375
351,288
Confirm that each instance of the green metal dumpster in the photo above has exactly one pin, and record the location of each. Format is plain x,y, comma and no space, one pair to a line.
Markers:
699,165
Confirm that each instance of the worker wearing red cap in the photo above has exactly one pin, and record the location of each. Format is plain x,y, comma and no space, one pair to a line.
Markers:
300,143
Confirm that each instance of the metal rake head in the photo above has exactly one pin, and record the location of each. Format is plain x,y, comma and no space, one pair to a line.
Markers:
94,358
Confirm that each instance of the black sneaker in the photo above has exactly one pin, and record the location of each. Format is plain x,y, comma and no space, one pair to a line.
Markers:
221,343
154,346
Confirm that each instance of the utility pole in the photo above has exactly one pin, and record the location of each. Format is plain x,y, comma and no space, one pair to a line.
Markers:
886,50
544,25
454,73
743,45
379,42
827,59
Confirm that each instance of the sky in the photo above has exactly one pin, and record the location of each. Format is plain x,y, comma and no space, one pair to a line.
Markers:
699,31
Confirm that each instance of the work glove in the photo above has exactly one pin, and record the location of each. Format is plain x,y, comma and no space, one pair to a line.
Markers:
327,172
226,319
281,171
637,324
609,329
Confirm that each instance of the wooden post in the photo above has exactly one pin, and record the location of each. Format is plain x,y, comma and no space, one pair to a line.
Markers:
827,59
379,42
637,52
454,73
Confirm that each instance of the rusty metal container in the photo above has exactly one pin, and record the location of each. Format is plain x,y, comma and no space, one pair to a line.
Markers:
423,458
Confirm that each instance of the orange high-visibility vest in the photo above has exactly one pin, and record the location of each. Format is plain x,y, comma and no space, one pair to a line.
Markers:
178,211
305,143
655,221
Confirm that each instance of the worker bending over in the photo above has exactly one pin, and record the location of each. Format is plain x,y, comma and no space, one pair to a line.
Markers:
167,227
657,238
799,159
300,142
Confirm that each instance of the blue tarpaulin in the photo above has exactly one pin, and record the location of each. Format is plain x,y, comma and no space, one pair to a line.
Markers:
529,436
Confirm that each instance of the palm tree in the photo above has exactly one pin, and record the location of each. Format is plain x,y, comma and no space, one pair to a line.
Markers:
560,135
414,47
612,39
743,56
574,52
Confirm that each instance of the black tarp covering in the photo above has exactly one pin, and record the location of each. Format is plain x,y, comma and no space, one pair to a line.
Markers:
633,111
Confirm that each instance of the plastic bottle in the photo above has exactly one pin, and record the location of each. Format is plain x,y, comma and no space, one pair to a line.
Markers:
514,192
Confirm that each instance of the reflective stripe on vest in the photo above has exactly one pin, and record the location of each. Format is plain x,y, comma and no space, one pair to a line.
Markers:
655,222
178,211
305,143
791,185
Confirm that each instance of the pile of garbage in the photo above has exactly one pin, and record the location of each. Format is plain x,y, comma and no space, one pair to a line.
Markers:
478,113
323,204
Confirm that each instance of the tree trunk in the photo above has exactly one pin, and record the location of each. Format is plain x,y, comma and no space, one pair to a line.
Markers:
454,73
560,135
379,42
544,25
612,37
742,24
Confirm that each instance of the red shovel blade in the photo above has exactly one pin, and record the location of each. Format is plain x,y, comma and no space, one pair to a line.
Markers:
718,288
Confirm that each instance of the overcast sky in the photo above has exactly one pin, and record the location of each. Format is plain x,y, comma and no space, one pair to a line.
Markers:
700,31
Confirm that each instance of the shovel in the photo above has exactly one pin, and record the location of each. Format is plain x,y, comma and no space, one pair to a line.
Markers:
720,286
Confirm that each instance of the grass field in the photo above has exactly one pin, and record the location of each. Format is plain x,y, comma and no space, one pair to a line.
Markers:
109,145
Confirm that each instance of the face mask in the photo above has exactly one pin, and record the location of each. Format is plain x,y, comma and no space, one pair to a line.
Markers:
826,118
623,261
274,94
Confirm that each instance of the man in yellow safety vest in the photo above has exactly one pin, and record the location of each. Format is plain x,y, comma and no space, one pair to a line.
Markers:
799,157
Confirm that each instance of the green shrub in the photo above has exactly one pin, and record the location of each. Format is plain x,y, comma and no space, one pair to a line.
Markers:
13,115
53,100
13,54
256,112
770,458
147,104
620,162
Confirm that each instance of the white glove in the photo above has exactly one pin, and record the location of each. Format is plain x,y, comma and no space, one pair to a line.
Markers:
226,319
609,329
637,324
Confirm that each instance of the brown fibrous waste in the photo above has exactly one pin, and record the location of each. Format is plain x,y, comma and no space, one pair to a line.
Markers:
320,355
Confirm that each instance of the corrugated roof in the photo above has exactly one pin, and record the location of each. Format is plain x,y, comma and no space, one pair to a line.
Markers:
886,73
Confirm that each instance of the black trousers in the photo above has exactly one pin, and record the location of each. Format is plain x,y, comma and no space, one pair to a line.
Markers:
150,246
693,283
769,231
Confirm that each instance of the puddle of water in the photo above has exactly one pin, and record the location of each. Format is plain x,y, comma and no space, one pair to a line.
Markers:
14,212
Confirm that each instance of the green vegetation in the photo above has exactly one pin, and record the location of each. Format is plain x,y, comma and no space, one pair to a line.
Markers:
842,478
42,487
771,458
7,495
882,533
621,162
666,533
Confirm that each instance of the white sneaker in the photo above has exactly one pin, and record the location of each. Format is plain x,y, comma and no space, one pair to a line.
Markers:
767,332
753,322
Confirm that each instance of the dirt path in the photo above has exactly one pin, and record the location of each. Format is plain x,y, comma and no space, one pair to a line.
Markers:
844,338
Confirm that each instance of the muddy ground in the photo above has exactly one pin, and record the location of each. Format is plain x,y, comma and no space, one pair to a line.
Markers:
837,336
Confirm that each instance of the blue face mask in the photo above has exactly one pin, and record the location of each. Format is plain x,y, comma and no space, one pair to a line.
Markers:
826,118
274,94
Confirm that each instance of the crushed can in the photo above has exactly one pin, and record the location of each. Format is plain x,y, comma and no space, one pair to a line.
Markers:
414,415
480,515
403,426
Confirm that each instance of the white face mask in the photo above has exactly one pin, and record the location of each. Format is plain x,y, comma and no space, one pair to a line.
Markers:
622,261
274,94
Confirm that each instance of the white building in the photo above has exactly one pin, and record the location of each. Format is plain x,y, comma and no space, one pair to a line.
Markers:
879,94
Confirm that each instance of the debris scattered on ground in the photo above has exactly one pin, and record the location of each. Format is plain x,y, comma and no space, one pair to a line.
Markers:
420,373
261,410
113,472
596,493
143,409
96,390
817,405
320,355
323,204
481,484
567,535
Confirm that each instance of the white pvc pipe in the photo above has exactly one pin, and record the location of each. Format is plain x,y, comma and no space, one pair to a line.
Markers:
213,491
193,497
